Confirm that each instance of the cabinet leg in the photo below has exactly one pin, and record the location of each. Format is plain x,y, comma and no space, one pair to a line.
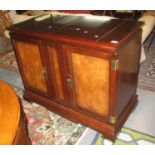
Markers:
134,107
110,139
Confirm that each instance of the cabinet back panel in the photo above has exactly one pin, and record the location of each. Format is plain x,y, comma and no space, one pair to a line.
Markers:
32,65
91,83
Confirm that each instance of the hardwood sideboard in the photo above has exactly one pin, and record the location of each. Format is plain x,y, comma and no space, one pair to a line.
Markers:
83,68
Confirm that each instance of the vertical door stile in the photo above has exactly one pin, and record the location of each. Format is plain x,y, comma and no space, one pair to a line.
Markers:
114,65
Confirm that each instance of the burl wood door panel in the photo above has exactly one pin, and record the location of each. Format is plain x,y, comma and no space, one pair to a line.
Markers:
91,83
31,66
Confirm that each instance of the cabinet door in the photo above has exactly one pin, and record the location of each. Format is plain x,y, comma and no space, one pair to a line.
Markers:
30,59
90,77
55,63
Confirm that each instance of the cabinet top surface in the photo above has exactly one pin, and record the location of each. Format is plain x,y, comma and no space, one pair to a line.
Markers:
99,29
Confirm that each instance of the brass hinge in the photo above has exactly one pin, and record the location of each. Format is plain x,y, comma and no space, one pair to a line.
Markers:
113,119
115,64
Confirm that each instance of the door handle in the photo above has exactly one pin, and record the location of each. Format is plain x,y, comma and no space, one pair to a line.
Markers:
45,72
69,81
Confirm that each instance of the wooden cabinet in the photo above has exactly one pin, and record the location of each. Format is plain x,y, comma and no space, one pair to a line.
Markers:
88,80
84,69
32,64
54,58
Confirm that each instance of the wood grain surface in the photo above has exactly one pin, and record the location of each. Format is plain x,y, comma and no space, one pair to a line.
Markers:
32,65
91,83
9,114
12,124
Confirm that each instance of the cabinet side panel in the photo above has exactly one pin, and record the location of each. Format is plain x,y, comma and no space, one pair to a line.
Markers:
91,82
129,60
32,66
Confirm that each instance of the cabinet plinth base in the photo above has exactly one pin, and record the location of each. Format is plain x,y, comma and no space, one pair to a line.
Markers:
109,130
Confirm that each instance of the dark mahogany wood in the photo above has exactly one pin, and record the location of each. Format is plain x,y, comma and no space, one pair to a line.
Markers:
90,66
